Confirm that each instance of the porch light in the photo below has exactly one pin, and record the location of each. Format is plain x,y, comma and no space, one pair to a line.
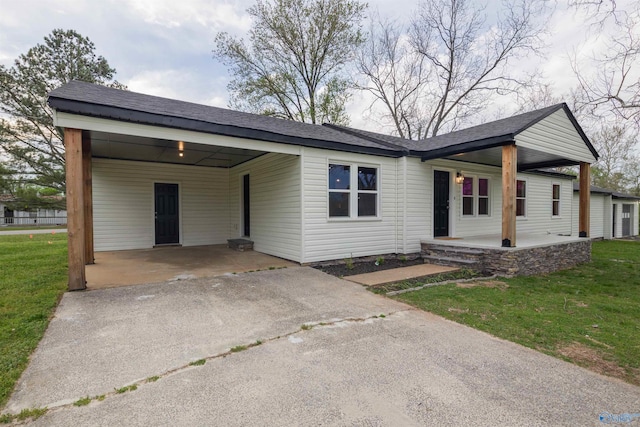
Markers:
459,178
181,154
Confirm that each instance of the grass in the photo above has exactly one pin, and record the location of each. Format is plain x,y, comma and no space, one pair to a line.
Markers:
33,227
125,389
33,277
82,401
587,315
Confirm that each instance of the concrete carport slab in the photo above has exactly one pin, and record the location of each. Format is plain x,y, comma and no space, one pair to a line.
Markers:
134,267
353,367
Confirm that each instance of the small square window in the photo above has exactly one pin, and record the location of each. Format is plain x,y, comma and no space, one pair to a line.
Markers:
338,204
483,187
339,177
521,189
483,206
467,186
367,203
467,206
367,179
520,207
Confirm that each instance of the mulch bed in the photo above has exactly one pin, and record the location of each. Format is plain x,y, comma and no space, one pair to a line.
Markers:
362,267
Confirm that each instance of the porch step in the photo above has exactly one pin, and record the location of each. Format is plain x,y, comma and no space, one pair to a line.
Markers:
240,245
454,249
448,261
453,256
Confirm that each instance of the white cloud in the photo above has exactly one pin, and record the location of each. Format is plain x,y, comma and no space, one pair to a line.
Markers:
221,15
183,84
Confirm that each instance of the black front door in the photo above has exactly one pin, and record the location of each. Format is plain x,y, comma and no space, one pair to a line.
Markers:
166,208
246,206
440,204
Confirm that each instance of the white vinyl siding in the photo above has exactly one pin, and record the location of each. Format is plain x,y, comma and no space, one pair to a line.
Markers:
419,209
598,206
538,219
327,238
123,203
275,201
556,134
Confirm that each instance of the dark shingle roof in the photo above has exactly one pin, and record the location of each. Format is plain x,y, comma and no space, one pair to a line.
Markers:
486,135
615,194
100,101
503,129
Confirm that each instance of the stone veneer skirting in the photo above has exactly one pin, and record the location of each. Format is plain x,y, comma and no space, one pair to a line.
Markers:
510,261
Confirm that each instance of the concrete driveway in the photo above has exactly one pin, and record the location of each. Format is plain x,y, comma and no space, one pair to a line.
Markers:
354,367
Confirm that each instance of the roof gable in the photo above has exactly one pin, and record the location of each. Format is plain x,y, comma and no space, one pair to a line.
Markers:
558,133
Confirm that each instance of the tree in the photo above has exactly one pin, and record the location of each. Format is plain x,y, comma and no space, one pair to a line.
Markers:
27,134
396,77
613,88
293,66
461,59
615,145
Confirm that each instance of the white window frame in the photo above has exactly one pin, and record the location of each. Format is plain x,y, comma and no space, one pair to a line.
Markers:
353,192
526,204
559,200
475,189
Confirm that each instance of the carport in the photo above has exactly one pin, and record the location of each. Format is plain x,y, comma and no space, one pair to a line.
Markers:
146,172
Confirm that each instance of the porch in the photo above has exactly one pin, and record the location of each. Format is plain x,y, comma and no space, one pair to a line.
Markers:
135,267
535,254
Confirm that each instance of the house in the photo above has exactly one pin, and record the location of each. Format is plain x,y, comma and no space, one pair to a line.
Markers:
9,216
144,171
613,214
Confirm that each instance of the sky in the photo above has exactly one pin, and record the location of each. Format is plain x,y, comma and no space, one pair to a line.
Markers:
164,47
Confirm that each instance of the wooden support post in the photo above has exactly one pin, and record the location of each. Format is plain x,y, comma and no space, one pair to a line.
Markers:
585,199
509,173
88,198
75,208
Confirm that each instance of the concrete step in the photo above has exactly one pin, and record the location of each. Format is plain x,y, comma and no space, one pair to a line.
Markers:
240,245
452,249
445,260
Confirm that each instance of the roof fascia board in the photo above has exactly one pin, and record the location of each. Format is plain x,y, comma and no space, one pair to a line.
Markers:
155,120
466,147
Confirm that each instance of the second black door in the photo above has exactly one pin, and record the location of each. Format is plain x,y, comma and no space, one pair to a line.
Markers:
167,217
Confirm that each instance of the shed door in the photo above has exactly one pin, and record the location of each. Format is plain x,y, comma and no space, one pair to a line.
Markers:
167,218
627,213
440,203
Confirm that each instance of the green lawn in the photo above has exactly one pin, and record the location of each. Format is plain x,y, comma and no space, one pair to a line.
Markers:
33,276
589,315
32,227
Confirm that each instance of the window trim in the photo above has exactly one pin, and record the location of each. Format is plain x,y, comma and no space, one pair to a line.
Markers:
475,196
559,200
526,204
353,192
